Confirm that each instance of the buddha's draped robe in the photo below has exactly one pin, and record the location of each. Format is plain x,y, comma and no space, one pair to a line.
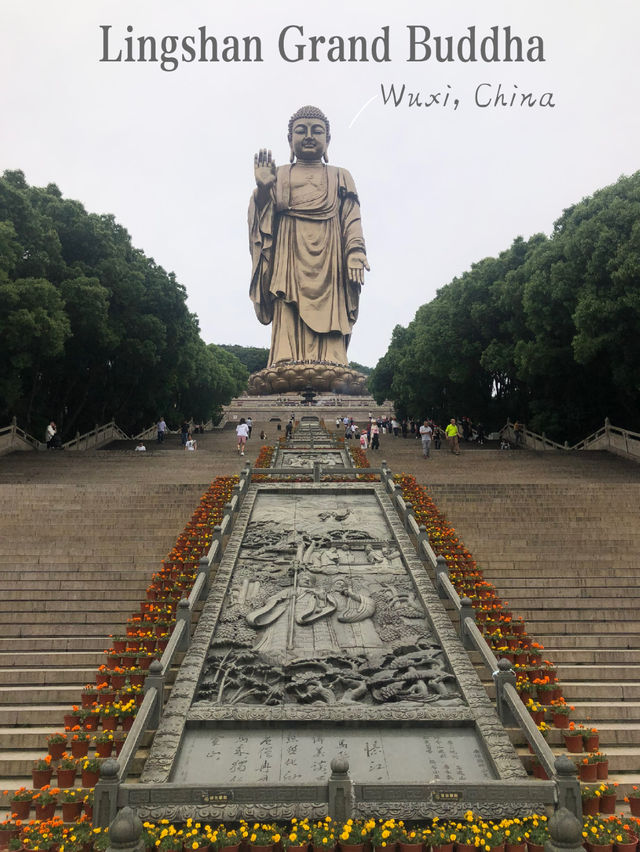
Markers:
299,244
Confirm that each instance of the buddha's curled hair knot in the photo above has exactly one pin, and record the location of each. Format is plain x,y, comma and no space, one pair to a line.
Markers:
308,112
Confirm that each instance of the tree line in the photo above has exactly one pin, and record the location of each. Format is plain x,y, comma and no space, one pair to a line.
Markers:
91,328
548,332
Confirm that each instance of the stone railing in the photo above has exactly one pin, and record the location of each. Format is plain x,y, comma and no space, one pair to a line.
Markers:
97,437
14,438
613,439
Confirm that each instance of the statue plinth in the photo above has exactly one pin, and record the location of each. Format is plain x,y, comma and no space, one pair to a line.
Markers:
322,376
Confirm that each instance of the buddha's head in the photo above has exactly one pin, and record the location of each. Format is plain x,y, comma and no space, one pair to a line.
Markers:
309,134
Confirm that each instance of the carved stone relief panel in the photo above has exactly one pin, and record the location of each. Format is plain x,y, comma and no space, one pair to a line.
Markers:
321,610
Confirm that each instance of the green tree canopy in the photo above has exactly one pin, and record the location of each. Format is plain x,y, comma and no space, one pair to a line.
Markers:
90,327
546,332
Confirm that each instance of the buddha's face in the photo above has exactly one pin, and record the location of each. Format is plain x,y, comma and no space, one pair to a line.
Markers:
309,139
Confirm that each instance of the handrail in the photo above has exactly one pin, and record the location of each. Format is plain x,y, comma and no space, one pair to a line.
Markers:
98,434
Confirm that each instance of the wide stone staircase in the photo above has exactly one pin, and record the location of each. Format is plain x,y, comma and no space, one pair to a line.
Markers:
80,536
564,554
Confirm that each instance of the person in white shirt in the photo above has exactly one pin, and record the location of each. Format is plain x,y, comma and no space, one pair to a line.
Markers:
141,448
425,436
242,432
191,444
50,435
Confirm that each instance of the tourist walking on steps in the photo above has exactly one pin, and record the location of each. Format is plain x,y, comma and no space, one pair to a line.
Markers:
162,428
184,431
425,436
249,425
242,433
375,436
452,437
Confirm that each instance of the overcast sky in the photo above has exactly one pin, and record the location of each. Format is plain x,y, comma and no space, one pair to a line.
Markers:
170,153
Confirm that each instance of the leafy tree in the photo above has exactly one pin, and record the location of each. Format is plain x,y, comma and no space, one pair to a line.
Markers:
92,328
546,332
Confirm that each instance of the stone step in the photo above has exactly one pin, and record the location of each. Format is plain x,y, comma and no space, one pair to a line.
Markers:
87,609
587,642
599,656
65,629
586,673
18,764
57,660
536,626
35,739
20,715
54,644
46,676
42,694
606,593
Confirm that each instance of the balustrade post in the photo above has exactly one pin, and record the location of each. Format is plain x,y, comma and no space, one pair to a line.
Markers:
125,833
203,568
155,680
442,571
105,799
565,832
569,789
183,614
466,611
316,471
341,802
503,675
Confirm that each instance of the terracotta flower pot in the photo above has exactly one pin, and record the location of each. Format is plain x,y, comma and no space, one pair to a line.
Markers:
71,720
44,812
79,748
535,847
56,750
465,847
256,847
118,681
88,810
599,847
573,743
515,847
90,779
41,777
590,807
127,723
109,723
66,777
409,847
90,723
591,743
104,749
634,805
626,847
351,847
445,847
560,720
71,811
608,804
603,770
588,771
20,809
